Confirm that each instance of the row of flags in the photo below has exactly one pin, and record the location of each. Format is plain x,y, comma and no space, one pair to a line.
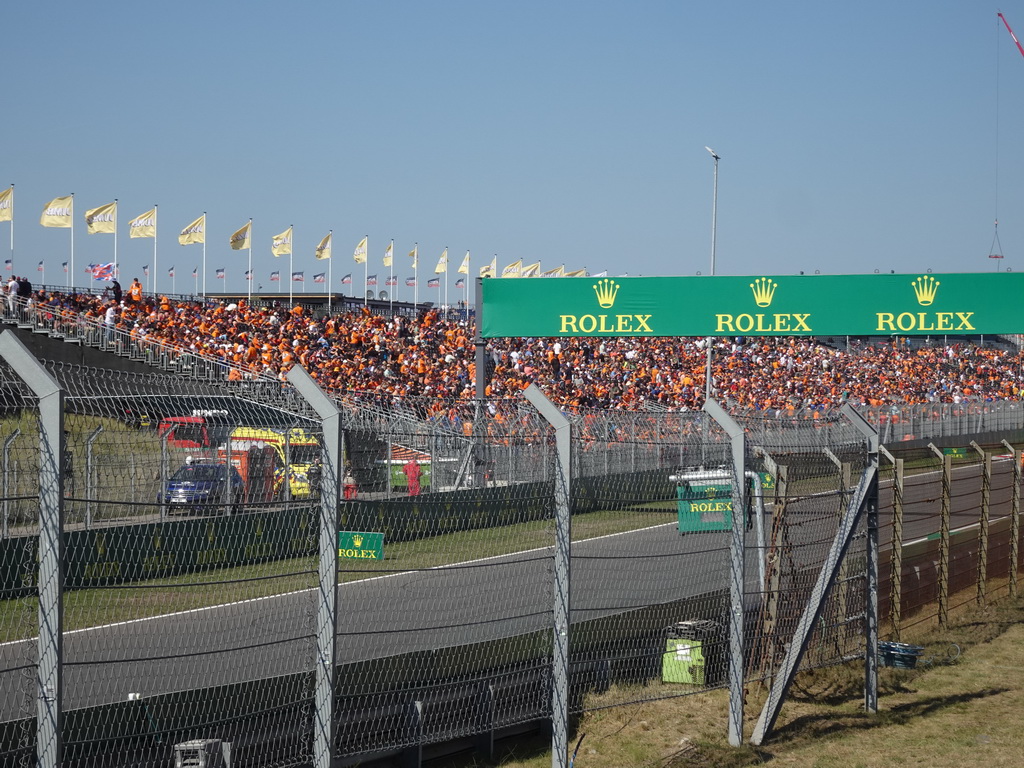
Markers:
109,272
103,219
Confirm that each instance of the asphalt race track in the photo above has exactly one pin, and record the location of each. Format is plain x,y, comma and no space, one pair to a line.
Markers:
443,607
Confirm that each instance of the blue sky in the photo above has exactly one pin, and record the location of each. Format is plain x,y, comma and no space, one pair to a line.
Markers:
853,137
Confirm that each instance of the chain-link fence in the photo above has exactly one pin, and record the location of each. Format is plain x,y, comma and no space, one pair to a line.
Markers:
193,602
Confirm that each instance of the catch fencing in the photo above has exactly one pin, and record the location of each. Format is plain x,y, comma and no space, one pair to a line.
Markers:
501,564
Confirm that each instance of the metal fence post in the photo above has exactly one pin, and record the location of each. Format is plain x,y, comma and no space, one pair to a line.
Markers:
7,484
90,481
986,492
943,574
324,724
871,565
737,573
52,444
1014,518
563,539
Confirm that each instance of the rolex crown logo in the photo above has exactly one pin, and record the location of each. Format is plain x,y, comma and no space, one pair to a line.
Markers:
357,541
606,291
764,291
711,491
925,288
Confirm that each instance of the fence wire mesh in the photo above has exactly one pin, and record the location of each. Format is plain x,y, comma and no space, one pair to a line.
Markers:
190,604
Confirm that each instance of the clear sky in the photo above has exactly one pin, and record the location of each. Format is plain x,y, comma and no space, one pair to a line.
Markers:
853,137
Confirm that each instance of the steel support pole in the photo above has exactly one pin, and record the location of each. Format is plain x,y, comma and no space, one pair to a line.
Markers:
7,479
896,547
736,568
327,613
480,387
90,473
52,444
871,582
560,610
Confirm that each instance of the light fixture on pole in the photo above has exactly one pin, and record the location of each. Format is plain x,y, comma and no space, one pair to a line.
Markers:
714,209
714,236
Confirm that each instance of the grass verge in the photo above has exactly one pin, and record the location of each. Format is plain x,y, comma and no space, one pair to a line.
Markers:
946,713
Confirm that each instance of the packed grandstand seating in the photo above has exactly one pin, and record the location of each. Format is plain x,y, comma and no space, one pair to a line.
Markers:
389,357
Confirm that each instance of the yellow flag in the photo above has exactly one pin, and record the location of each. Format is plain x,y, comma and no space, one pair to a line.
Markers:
414,254
442,263
576,273
556,272
490,270
464,266
513,270
389,252
531,271
194,232
323,251
102,220
7,204
282,244
143,225
57,212
240,239
359,255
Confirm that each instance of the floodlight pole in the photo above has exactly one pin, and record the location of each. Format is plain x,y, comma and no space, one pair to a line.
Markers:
708,387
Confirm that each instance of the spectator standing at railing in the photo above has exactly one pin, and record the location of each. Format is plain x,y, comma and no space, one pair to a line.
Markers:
109,319
135,292
12,294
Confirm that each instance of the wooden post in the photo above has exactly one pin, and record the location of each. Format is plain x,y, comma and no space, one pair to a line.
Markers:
986,492
943,574
773,575
1014,519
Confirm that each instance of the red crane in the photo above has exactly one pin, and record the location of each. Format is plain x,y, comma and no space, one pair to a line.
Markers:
1007,25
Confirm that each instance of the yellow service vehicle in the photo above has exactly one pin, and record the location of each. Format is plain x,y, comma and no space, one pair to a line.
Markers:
295,451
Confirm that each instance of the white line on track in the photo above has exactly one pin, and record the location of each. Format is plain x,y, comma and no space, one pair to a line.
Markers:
313,589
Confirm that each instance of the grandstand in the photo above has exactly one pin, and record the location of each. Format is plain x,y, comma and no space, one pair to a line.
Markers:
386,355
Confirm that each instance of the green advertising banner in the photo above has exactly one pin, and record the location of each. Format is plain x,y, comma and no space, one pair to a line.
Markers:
360,545
704,507
786,305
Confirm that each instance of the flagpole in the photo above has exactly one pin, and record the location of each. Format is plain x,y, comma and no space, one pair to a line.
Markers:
205,227
12,228
72,237
116,275
156,222
366,270
391,279
330,276
446,282
415,277
249,301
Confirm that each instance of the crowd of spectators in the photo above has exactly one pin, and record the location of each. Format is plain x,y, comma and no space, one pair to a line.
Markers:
390,357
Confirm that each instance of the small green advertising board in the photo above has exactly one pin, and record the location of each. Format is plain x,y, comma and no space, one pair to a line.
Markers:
704,506
355,545
956,453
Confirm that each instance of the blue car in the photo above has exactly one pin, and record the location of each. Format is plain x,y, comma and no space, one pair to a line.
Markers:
204,488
